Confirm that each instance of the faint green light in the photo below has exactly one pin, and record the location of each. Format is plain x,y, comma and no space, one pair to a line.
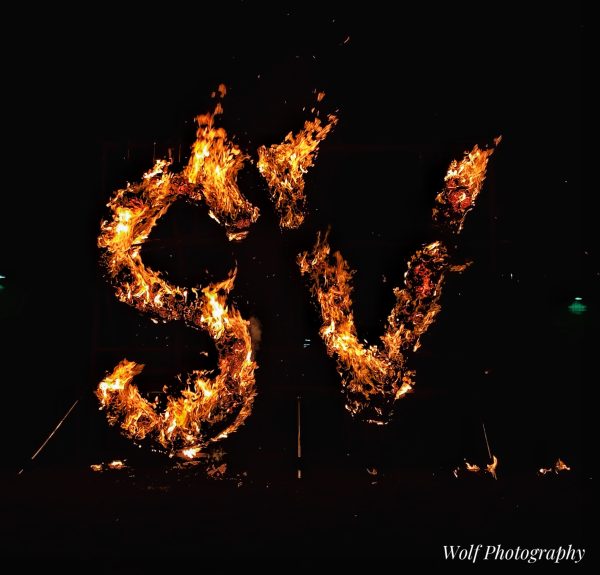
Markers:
577,307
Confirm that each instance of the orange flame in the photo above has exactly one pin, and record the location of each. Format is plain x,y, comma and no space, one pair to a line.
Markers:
463,182
374,378
210,407
284,165
559,466
473,468
214,164
491,467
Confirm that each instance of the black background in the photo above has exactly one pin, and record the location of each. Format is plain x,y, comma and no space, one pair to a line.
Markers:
94,98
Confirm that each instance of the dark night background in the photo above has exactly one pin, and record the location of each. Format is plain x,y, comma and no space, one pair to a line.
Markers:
92,105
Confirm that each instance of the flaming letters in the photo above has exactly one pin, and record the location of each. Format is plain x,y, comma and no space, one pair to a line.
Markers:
213,405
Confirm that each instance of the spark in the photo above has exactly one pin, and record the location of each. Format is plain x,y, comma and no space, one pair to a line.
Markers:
58,425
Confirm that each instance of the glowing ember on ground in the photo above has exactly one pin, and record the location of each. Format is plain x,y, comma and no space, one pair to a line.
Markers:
374,378
217,471
190,452
473,468
210,406
284,165
116,464
559,467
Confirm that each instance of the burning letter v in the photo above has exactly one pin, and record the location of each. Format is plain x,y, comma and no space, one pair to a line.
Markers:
375,377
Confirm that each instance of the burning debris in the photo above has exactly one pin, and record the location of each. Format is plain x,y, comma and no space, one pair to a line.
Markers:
210,463
115,465
472,468
375,377
284,165
559,467
210,406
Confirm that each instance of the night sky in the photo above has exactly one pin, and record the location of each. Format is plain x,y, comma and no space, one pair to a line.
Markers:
92,105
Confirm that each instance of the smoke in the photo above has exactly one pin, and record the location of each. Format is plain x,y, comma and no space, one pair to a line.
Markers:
255,333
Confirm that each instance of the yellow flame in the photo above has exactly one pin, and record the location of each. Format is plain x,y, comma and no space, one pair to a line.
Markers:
284,165
375,377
